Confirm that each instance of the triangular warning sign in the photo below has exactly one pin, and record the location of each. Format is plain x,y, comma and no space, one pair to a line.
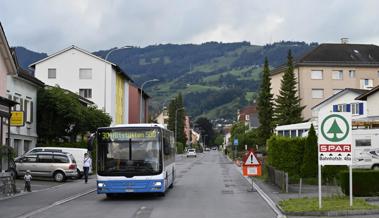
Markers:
251,159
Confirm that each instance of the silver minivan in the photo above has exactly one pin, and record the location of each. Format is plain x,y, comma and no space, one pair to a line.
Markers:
58,165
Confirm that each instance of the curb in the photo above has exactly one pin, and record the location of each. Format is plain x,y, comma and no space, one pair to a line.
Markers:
269,201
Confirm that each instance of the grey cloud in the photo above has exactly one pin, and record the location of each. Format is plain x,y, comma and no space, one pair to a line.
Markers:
49,26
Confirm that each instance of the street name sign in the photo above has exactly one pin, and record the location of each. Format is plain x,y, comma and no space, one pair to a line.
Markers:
335,139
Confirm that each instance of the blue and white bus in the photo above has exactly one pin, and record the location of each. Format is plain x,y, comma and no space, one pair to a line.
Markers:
135,158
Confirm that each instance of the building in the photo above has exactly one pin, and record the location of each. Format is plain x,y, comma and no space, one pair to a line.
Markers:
249,116
330,68
187,129
162,118
22,88
372,119
94,78
7,67
343,101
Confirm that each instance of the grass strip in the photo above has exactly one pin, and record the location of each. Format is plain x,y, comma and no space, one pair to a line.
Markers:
335,203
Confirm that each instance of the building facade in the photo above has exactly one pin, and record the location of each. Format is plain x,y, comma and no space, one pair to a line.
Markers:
22,88
91,77
330,68
249,116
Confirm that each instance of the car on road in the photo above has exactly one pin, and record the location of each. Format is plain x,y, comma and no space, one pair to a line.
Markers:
214,148
78,154
191,153
58,165
207,149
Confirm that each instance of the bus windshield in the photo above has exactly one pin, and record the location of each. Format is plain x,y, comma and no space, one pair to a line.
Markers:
129,152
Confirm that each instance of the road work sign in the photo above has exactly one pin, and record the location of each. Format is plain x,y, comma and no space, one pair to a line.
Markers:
335,139
251,165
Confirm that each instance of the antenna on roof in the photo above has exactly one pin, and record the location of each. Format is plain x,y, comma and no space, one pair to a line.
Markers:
344,40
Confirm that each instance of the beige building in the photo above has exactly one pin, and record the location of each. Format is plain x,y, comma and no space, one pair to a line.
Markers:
162,118
330,68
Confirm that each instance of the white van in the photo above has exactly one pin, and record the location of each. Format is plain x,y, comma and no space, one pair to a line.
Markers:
366,148
78,154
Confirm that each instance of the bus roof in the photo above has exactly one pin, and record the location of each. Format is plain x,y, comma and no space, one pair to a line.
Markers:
141,125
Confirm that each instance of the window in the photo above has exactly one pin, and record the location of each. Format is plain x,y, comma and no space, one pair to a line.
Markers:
45,158
30,159
86,93
280,132
343,108
293,133
337,74
51,73
355,108
366,83
85,73
317,93
316,74
60,159
247,117
352,73
363,142
335,91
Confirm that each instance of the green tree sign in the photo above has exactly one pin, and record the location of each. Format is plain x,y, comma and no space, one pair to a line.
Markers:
335,129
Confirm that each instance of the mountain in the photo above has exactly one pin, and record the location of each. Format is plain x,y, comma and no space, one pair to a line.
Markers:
215,78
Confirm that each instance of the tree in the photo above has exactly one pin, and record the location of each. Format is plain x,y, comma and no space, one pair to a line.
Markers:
206,130
61,115
309,166
335,129
265,107
288,109
176,118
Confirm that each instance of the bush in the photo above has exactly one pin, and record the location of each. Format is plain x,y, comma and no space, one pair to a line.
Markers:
365,182
179,148
286,153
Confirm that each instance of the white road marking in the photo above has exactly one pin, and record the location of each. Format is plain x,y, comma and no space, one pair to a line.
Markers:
56,204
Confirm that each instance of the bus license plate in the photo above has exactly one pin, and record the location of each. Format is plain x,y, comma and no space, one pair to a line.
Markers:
129,190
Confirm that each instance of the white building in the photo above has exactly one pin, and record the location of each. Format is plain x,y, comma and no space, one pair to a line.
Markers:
343,101
22,88
91,77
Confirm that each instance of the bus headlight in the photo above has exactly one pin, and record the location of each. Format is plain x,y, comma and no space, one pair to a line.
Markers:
100,185
157,183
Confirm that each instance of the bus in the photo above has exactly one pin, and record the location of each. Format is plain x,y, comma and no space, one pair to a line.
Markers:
135,158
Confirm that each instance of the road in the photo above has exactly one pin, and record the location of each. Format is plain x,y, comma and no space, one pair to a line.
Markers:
206,186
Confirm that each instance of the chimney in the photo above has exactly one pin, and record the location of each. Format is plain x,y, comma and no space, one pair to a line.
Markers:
344,40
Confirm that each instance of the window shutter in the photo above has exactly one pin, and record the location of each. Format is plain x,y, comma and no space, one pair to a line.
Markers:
360,108
348,108
335,108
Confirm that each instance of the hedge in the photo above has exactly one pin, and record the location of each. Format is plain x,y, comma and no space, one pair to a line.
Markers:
286,153
365,182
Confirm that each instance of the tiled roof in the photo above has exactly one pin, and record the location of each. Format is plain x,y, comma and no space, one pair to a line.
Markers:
328,54
364,96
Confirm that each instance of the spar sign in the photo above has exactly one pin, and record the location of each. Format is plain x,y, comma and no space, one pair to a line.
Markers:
335,139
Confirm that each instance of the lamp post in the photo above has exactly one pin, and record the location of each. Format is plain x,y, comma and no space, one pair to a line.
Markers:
176,123
105,72
140,102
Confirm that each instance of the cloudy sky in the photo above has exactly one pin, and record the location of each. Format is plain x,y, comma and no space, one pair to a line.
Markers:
51,25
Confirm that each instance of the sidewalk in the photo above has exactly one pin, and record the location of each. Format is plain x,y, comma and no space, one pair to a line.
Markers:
276,195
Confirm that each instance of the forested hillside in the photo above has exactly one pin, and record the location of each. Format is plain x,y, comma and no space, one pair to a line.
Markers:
215,78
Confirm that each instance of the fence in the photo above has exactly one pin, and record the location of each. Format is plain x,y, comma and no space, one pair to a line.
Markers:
278,177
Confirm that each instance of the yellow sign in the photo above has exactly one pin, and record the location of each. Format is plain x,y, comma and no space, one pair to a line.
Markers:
17,118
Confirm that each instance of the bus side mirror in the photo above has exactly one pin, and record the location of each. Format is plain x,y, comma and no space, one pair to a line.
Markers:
166,147
91,141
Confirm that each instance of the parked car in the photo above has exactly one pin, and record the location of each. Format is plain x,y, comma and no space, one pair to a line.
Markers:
78,154
191,153
207,149
58,165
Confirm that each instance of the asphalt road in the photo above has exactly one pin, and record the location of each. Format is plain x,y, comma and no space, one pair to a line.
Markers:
206,186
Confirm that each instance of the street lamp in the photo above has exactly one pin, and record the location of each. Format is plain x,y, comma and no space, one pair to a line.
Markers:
105,72
140,105
176,123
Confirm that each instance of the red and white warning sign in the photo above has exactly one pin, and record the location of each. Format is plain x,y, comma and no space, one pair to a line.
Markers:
251,165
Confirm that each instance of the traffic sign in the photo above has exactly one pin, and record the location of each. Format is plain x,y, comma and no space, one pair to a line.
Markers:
335,139
251,165
235,142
